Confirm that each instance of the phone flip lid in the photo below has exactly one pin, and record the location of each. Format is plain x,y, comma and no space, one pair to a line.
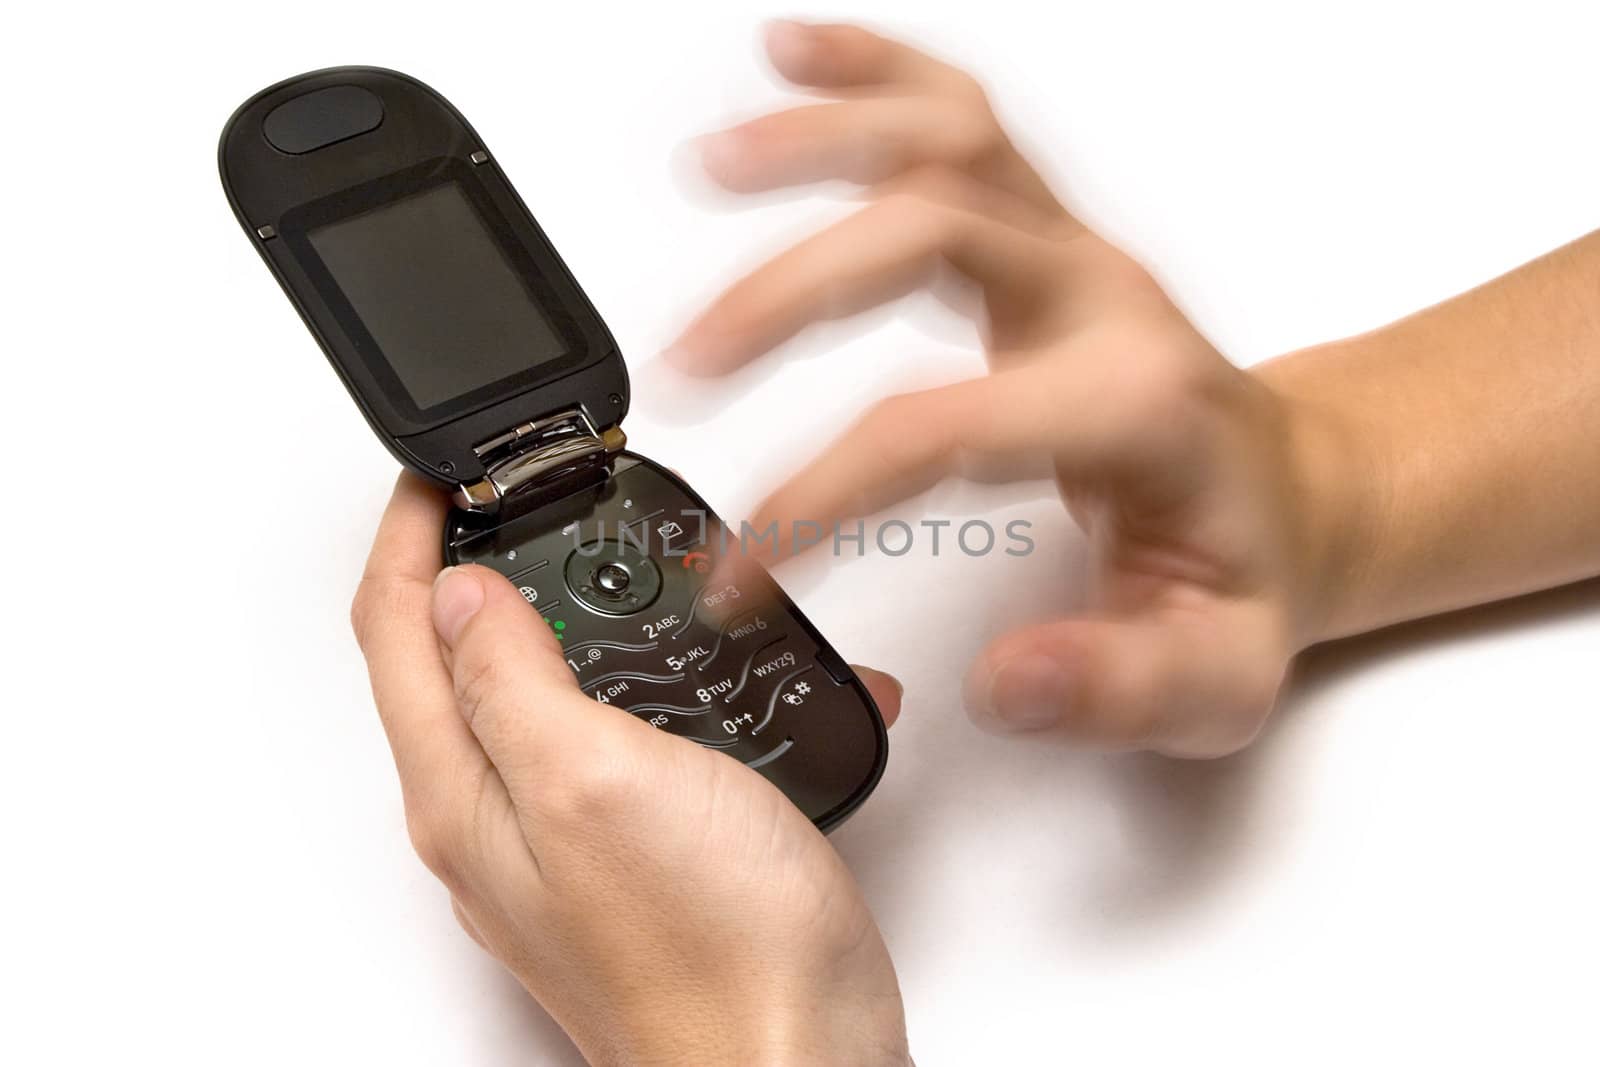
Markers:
435,294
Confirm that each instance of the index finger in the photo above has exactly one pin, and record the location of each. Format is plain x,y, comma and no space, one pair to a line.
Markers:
1011,424
855,62
845,56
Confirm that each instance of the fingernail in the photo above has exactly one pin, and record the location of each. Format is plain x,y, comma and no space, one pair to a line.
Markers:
1027,692
719,154
699,353
678,356
787,33
457,597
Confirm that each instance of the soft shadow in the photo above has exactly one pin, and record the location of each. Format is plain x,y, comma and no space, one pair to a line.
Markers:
1189,822
1182,832
945,780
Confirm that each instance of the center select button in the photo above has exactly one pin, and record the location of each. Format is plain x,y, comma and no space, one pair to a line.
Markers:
612,577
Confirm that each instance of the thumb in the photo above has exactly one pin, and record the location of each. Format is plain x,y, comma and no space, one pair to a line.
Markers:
511,683
1197,686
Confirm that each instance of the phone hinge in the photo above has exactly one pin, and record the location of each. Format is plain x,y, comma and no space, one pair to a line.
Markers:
532,455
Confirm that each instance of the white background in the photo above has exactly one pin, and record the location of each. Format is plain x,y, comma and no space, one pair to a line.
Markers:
204,858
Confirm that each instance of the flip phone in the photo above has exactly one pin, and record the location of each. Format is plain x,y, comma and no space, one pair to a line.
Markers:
482,366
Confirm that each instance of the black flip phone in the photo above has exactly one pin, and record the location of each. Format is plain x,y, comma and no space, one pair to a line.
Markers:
481,365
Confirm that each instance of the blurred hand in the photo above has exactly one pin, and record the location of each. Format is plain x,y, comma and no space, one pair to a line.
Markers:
666,904
1180,467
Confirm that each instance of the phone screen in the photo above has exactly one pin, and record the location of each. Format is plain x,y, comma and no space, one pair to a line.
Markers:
438,295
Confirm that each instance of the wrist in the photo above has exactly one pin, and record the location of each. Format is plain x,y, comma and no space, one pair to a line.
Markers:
1340,486
756,1011
798,1029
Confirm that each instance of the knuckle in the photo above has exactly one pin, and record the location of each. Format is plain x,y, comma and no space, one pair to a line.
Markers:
376,600
1161,398
1152,395
976,131
904,208
935,186
601,787
964,85
468,924
361,613
479,682
928,203
890,411
1256,704
1222,735
436,845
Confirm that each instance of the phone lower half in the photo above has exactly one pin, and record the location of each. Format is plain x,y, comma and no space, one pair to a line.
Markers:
635,576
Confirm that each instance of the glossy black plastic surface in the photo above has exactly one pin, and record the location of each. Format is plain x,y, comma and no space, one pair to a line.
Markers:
730,664
418,143
317,119
620,560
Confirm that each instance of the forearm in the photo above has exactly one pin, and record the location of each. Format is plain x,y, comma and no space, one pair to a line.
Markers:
1453,457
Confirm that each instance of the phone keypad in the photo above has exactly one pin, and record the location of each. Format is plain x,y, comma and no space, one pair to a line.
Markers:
727,663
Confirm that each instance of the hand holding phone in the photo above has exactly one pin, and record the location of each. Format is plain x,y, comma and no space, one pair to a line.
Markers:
662,901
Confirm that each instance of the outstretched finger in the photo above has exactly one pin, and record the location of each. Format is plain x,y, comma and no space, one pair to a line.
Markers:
1011,424
862,141
855,62
889,247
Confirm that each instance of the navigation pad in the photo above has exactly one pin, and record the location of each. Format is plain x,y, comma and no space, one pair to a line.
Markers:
636,579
